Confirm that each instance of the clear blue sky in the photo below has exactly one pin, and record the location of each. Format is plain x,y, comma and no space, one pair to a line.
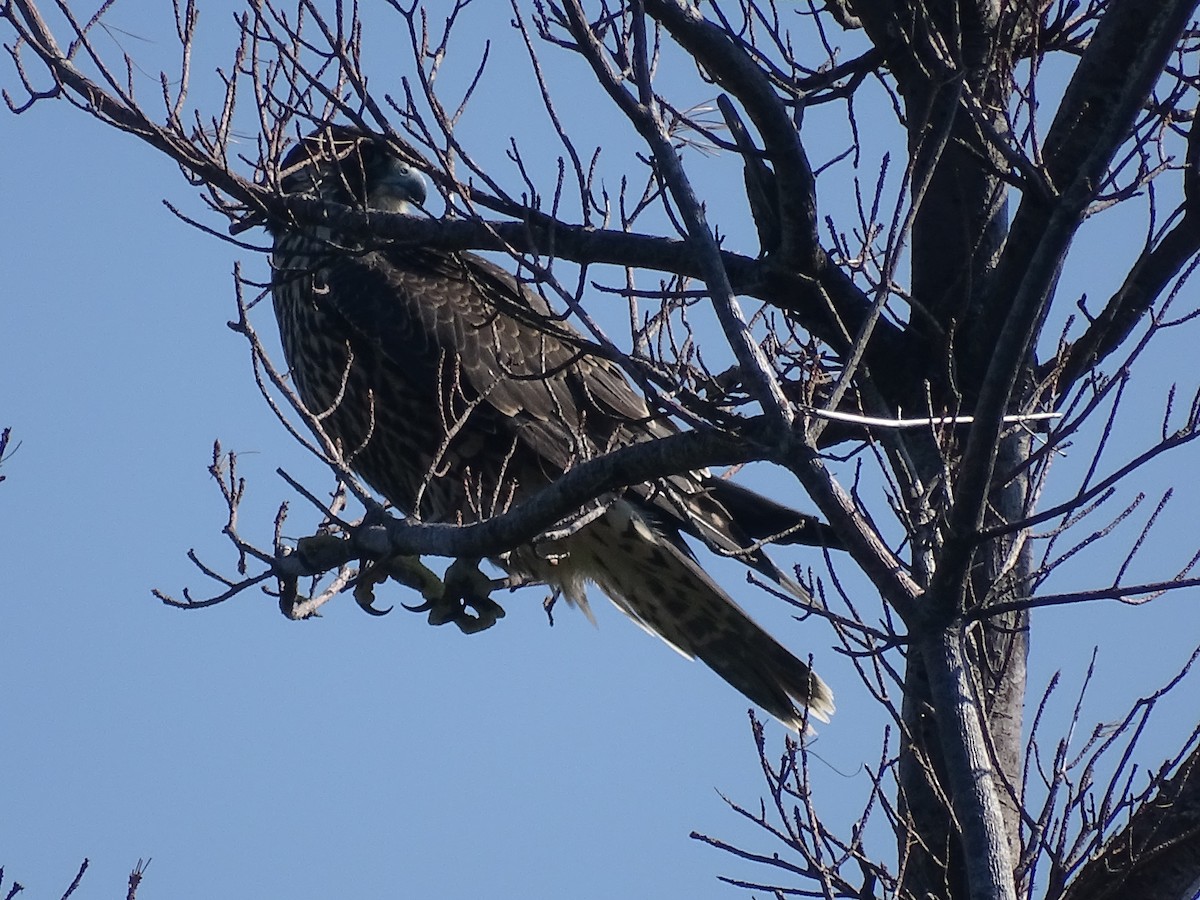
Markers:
351,756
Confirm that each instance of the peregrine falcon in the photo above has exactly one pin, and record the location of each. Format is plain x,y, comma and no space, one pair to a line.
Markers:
456,392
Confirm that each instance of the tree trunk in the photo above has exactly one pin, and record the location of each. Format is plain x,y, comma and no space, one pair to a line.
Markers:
956,70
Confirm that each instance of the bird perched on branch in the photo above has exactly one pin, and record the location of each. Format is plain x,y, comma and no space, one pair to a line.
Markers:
456,392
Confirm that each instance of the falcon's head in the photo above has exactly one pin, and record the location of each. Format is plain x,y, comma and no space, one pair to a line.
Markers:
346,166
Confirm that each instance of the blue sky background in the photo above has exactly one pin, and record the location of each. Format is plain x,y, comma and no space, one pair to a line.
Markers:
251,756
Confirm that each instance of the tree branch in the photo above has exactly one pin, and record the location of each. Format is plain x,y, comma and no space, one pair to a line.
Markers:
1156,856
1154,269
384,535
1127,52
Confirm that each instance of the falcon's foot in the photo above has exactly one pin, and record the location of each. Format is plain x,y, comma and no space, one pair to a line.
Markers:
461,596
464,598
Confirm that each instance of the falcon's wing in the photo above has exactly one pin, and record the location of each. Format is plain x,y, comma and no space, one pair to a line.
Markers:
562,401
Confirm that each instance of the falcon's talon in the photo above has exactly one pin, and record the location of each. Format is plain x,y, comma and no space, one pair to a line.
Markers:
370,575
485,617
467,587
372,610
462,597
450,609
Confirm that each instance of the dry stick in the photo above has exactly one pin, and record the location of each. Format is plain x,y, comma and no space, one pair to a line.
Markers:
643,114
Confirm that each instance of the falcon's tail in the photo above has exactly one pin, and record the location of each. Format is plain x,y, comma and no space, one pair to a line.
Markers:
667,593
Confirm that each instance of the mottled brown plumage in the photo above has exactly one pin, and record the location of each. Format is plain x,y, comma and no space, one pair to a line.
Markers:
455,392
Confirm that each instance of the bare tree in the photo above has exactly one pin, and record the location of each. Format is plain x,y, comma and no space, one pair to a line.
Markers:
908,361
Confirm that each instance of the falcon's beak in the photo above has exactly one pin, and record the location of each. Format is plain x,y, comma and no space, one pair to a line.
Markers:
400,185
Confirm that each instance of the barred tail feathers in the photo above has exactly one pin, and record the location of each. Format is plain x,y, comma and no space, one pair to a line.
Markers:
668,594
